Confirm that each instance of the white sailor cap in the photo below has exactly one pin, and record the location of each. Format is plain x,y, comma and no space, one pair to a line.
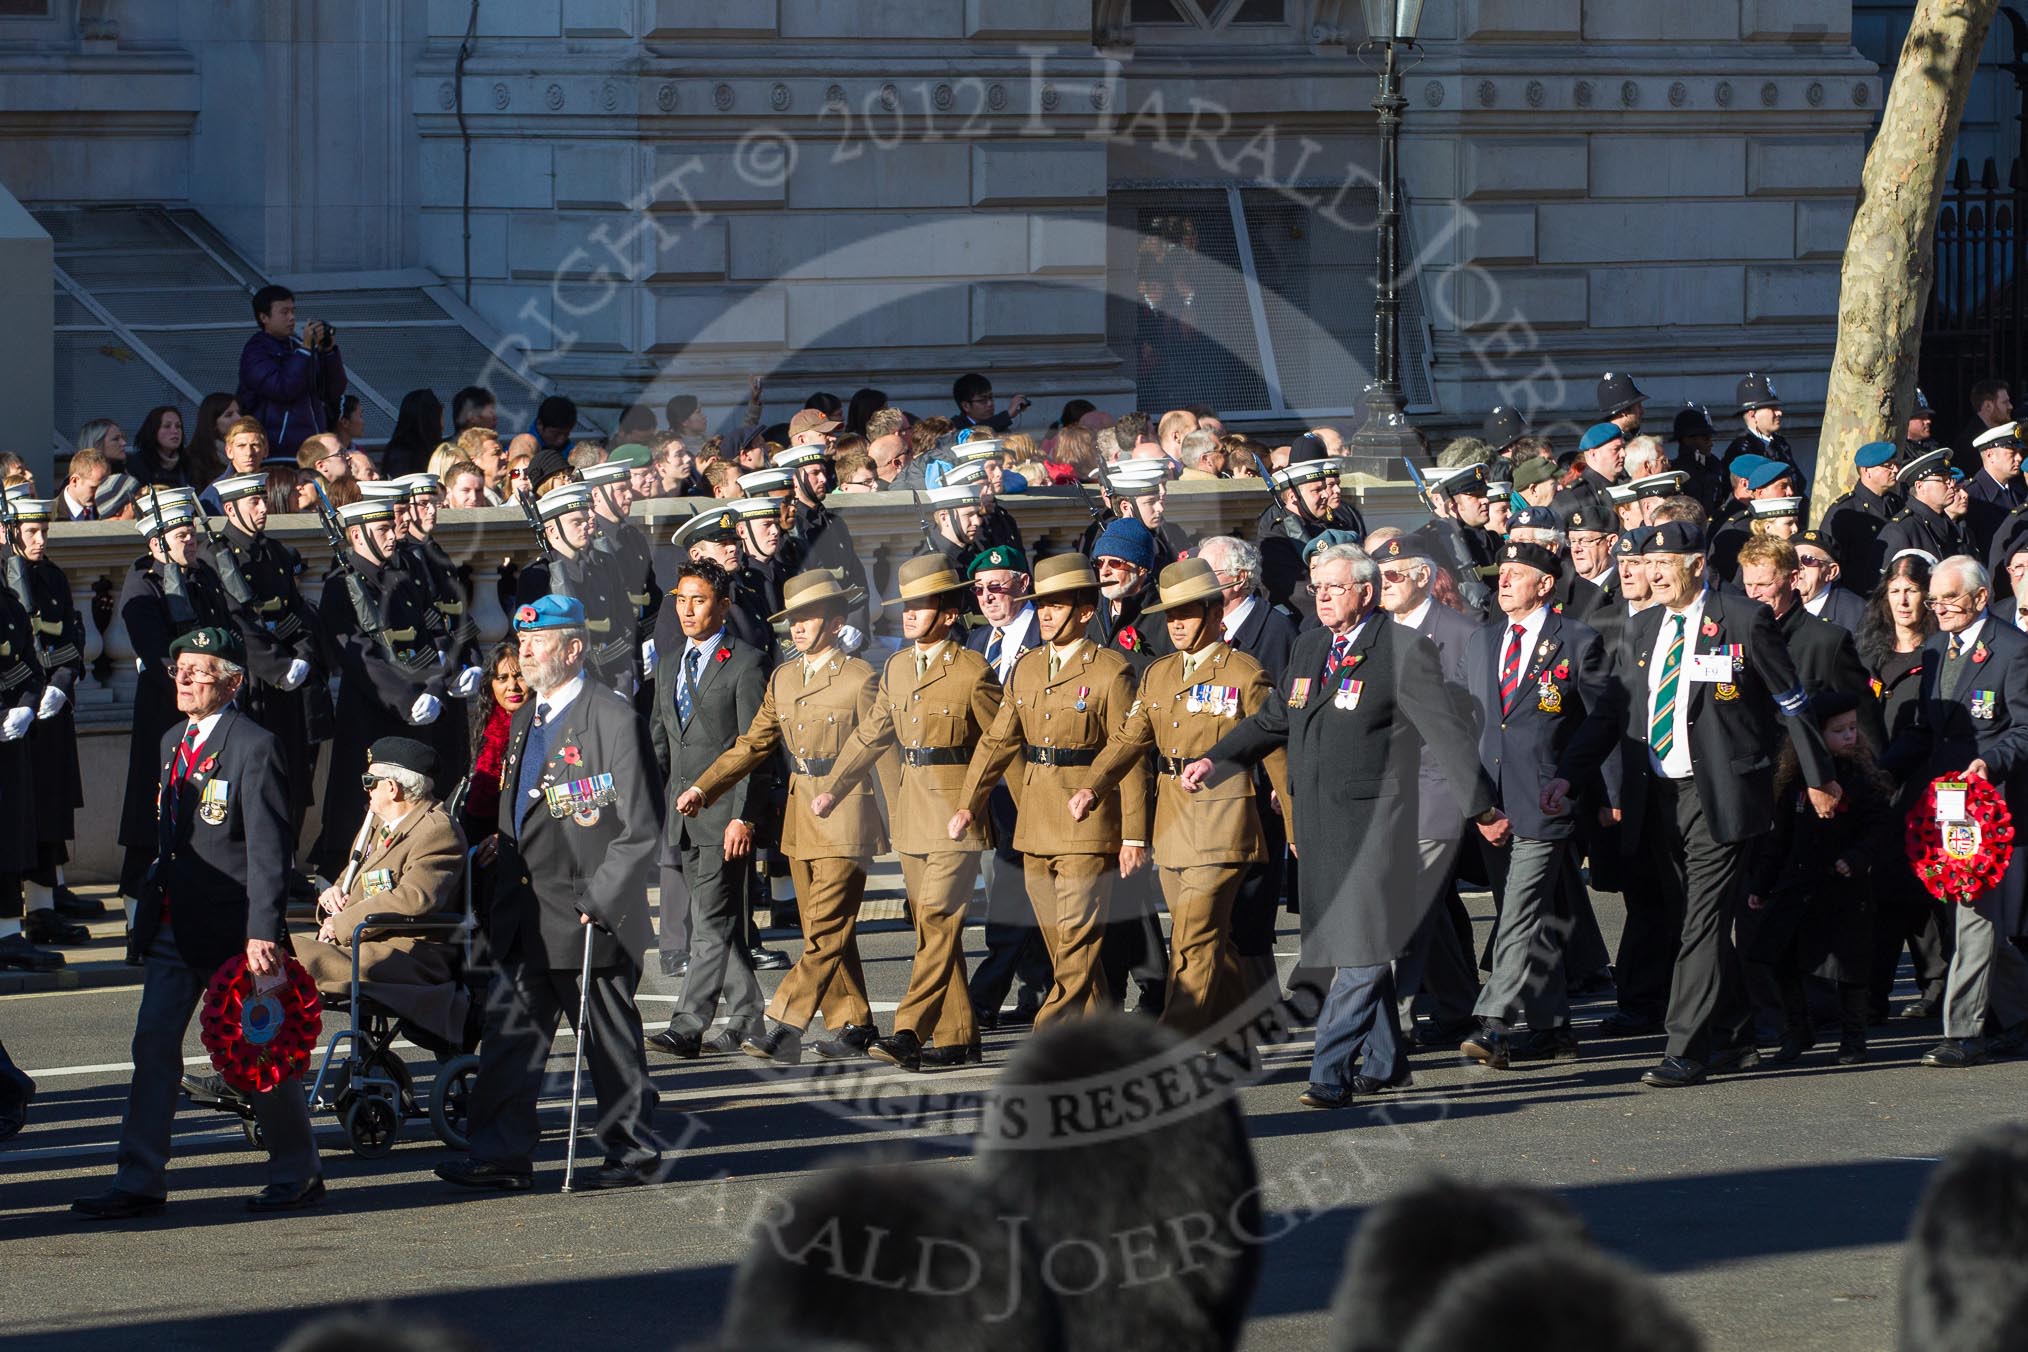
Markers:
952,495
794,457
761,481
562,501
233,487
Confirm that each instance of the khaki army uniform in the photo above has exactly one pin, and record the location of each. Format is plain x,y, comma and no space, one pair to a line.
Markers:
935,716
810,708
1057,725
1204,842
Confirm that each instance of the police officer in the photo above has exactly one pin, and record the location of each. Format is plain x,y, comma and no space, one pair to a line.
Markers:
1204,842
44,593
169,591
580,818
1921,425
1927,482
813,703
625,547
1065,702
1761,410
936,699
1858,515
390,680
593,578
1503,427
276,624
1707,482
1620,402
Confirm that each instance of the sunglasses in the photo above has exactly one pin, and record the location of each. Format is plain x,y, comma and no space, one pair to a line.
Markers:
993,588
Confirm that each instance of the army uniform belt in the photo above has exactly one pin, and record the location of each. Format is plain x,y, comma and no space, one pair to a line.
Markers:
1060,755
1170,765
50,627
918,756
820,766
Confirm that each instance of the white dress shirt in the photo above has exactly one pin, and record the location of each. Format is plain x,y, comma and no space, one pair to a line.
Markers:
1412,619
1236,616
1011,635
1531,634
1676,765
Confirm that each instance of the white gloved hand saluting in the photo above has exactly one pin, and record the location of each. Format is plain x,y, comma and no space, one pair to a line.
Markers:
15,725
426,709
53,700
468,681
298,672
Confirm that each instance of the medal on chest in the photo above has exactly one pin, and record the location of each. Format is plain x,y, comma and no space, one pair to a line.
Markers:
1983,703
580,799
1083,695
1299,693
1347,697
212,803
1548,698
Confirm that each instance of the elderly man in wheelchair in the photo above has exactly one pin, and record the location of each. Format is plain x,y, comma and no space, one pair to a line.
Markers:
408,863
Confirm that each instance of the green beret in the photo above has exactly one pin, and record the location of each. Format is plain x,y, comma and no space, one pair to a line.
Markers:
212,641
633,455
999,556
1533,471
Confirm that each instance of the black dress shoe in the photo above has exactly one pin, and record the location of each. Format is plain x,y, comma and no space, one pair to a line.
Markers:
1325,1096
766,959
117,1204
46,927
903,1049
1956,1053
675,964
724,1042
212,1089
12,1120
779,1043
1918,1008
16,952
1546,1044
853,1040
287,1196
1366,1084
610,1175
1851,1050
683,1045
471,1173
1675,1072
1619,1023
1792,1049
1745,1056
74,907
1489,1047
950,1058
1592,983
1021,1016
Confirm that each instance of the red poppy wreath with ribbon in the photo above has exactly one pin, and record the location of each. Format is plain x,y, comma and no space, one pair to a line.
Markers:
260,1039
1960,855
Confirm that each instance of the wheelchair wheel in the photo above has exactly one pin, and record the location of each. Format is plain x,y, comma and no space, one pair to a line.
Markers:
451,1100
371,1124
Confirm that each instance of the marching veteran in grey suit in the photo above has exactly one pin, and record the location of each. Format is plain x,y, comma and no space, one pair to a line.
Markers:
580,822
215,888
408,860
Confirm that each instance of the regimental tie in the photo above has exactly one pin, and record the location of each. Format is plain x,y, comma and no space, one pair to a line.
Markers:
1341,648
1510,670
1662,725
993,649
686,688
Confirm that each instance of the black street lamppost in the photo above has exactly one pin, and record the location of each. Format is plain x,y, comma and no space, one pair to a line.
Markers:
1386,436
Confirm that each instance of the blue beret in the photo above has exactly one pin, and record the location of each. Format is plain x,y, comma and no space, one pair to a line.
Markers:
1873,454
1536,518
1766,472
549,612
1129,541
1598,434
1740,466
1326,538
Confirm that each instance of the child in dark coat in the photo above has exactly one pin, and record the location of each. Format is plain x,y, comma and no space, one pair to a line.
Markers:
1810,883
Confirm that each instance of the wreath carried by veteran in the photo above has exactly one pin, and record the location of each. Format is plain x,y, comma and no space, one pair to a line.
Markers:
259,1039
1960,852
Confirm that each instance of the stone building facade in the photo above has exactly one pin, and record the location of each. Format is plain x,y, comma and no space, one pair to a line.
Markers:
1077,197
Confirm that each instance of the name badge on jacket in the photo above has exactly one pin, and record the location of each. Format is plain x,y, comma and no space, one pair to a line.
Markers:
1711,666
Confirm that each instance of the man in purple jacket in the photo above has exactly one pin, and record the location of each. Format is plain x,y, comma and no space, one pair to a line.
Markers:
289,385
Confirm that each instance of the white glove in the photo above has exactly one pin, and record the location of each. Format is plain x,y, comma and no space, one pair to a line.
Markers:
53,700
15,725
426,709
298,672
468,681
648,656
851,639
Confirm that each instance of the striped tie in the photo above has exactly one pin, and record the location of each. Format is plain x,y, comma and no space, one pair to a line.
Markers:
993,650
1662,726
1341,648
1510,671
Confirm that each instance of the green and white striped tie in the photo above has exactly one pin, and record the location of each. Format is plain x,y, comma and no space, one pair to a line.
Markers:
1662,725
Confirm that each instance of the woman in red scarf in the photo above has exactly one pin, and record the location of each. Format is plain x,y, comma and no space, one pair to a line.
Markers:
503,694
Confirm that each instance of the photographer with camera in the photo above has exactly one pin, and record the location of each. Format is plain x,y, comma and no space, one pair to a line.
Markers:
292,385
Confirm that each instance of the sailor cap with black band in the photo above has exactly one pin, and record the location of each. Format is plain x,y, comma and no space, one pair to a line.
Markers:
563,501
759,481
1664,485
383,490
1769,509
1305,471
1621,495
1934,464
603,474
233,487
795,457
712,525
421,484
366,509
756,509
29,511
970,472
168,513
977,450
1136,483
2006,434
1460,479
952,495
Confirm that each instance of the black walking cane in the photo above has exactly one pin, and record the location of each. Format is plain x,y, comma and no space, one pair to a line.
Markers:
577,1062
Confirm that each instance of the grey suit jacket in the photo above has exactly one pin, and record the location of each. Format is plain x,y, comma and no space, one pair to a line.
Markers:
728,696
560,859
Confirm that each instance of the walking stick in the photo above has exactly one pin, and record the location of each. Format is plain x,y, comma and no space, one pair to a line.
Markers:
577,1063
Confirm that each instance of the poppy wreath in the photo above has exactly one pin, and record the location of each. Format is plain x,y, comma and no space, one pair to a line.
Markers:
259,1041
1949,876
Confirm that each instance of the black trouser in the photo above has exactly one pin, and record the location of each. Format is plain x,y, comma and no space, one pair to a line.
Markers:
1704,882
1014,947
1133,944
1908,914
523,1008
1654,919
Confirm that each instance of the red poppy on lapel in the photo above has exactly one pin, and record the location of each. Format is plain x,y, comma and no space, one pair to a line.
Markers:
1562,672
1130,639
1979,652
570,755
210,764
721,655
1710,629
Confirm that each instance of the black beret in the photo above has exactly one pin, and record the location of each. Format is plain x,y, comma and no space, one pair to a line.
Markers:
1535,556
1675,537
404,753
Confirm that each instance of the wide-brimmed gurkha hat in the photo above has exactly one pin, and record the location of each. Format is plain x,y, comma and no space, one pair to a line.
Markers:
817,587
1062,573
1184,583
927,576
